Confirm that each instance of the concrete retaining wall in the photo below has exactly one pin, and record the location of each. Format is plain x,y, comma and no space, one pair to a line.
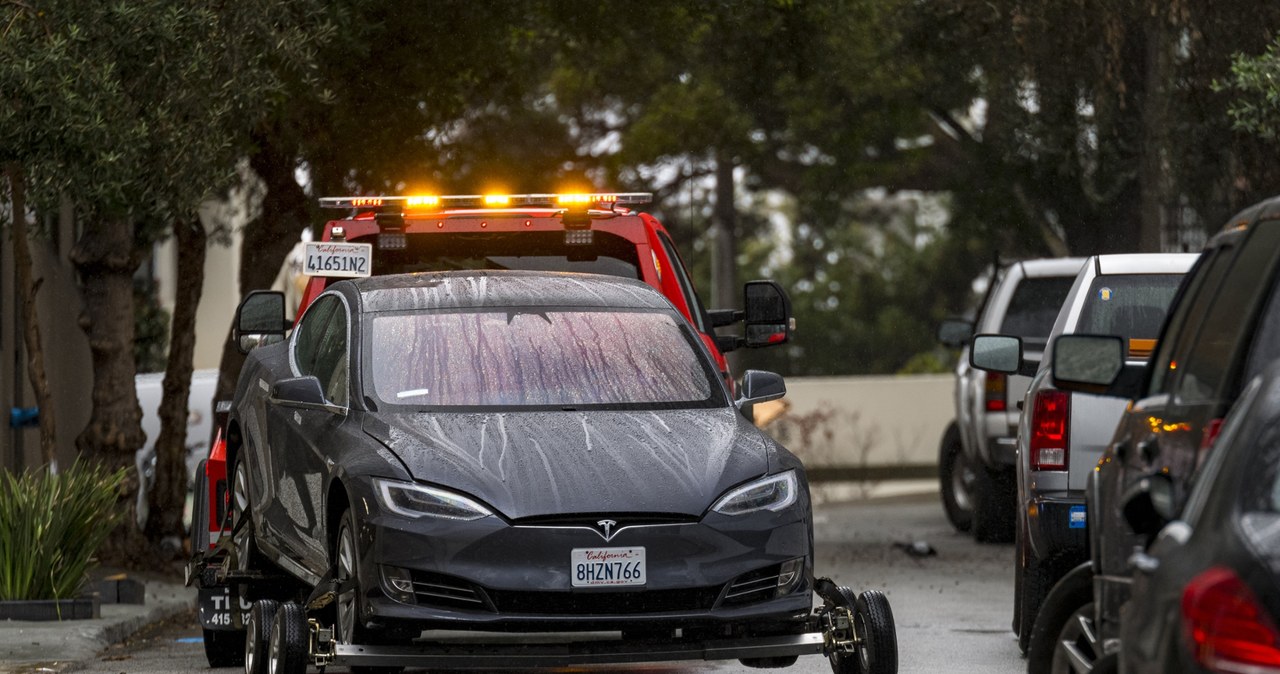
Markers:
866,428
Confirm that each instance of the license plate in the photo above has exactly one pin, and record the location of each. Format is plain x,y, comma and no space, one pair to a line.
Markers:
596,567
215,608
338,259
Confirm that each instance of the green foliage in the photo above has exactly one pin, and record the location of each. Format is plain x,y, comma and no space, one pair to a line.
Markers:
143,108
150,328
51,526
1255,85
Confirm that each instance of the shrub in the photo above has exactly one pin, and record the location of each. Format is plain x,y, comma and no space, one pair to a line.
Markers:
51,525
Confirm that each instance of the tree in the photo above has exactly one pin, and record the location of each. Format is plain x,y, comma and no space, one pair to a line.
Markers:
136,112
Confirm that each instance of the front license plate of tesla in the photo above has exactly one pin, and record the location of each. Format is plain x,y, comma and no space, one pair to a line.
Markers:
345,260
600,567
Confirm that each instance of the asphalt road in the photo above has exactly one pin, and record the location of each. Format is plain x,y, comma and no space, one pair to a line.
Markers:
952,609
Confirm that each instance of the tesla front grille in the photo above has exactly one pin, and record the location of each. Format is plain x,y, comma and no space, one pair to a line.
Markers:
433,589
752,587
604,603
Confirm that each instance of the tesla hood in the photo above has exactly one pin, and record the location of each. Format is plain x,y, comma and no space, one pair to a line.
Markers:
547,463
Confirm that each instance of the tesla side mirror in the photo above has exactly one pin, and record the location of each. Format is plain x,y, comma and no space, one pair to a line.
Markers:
996,353
955,332
759,386
1149,505
767,315
299,390
260,319
1089,363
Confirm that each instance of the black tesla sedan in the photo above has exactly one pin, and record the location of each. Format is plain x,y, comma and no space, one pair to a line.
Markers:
1206,592
515,451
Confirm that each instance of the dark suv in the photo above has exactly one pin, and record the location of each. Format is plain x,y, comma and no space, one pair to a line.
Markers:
1223,329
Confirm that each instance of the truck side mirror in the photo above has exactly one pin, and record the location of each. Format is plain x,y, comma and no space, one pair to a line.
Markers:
767,314
260,319
1088,363
996,353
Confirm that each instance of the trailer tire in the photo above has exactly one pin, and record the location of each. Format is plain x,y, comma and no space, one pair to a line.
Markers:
288,644
224,648
873,619
257,641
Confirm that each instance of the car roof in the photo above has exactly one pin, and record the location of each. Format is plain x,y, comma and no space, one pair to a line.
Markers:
1055,266
1145,263
504,288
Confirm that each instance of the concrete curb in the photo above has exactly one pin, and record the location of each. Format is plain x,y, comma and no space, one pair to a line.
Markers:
30,647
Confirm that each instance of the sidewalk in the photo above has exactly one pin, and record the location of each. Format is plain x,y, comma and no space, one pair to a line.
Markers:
29,646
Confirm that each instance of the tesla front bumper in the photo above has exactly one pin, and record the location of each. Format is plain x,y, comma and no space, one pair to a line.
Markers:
753,571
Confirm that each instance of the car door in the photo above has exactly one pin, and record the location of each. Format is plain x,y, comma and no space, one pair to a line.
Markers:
294,478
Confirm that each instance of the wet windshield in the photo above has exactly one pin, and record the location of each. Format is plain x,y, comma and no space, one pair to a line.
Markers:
538,358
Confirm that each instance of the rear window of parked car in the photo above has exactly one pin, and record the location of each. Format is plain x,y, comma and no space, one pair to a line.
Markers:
1034,307
538,358
1132,306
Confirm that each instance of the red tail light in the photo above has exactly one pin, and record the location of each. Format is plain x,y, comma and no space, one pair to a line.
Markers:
1225,626
1050,416
995,388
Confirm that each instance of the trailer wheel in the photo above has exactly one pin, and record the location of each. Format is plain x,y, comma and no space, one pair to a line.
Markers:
224,648
841,662
288,645
873,620
257,640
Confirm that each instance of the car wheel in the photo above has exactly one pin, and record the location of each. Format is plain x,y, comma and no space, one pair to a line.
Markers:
346,607
224,648
242,509
287,652
956,475
1063,638
994,513
1037,578
257,639
873,621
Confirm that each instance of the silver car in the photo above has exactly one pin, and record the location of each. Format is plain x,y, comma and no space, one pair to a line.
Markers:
1061,434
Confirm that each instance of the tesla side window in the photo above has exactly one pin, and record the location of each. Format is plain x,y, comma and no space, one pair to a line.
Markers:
308,336
331,358
1266,342
558,358
1188,315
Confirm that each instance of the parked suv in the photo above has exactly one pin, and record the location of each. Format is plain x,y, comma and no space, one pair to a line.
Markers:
1062,434
975,459
1223,329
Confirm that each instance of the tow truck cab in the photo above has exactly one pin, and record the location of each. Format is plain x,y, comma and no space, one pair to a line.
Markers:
593,233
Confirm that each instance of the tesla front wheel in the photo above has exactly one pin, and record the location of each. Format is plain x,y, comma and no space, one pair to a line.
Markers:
347,606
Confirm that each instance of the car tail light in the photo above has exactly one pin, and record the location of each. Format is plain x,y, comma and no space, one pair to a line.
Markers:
1225,626
995,388
1050,415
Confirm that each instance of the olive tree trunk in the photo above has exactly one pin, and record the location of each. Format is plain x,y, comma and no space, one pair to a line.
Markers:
168,495
106,258
27,290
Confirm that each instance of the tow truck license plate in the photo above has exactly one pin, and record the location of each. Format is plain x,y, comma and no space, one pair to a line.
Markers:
338,259
593,567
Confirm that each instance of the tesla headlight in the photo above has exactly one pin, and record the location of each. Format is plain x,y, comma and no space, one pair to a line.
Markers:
415,500
772,492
